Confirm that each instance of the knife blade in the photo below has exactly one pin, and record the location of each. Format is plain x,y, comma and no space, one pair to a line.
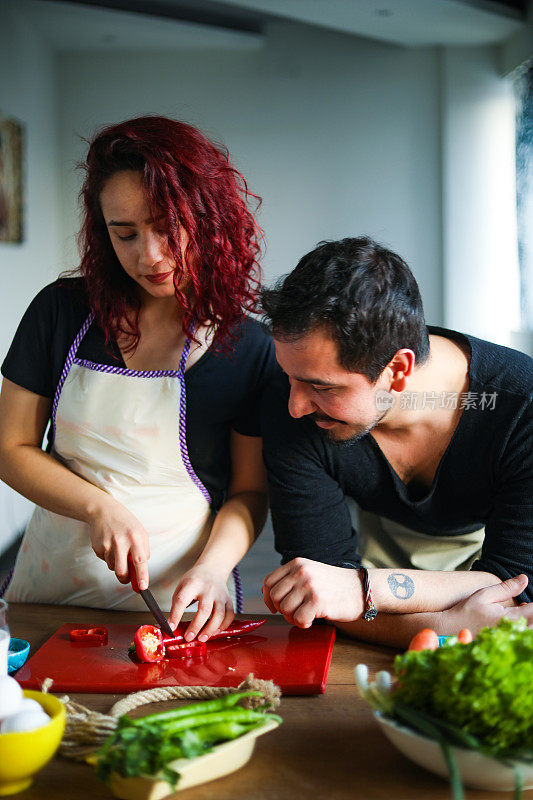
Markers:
150,601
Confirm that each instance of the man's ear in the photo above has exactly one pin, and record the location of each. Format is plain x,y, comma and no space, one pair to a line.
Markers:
400,368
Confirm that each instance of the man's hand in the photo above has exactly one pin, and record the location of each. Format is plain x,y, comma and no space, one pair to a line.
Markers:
487,606
305,590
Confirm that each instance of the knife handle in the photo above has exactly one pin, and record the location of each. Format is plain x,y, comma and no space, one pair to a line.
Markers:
133,575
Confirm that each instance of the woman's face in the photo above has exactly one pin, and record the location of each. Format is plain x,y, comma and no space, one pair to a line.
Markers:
140,242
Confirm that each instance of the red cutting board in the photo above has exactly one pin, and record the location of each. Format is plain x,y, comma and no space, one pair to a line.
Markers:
296,660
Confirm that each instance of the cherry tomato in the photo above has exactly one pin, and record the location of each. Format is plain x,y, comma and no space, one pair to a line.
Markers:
426,639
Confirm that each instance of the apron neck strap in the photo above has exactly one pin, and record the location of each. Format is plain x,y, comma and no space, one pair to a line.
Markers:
186,350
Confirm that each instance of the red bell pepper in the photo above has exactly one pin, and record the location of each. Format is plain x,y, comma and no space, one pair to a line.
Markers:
89,635
149,643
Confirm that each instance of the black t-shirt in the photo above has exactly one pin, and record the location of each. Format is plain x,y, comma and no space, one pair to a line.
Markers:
223,391
485,477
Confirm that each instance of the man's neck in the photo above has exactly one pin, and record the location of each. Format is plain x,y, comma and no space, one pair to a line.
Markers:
444,374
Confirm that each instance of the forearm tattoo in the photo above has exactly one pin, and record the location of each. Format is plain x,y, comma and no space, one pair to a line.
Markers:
401,585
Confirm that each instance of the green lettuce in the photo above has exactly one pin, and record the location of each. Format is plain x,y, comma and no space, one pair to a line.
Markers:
484,688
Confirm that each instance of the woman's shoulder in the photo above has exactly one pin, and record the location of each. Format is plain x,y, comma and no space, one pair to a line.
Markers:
247,359
64,295
46,331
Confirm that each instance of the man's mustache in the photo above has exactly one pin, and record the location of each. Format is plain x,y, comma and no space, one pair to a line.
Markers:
324,418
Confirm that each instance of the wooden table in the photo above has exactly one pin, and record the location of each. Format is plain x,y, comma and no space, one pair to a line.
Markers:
328,748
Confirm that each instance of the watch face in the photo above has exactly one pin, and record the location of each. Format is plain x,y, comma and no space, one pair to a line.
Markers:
370,614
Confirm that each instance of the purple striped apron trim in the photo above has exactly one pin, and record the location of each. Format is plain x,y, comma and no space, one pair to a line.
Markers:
131,373
68,363
188,466
238,590
7,581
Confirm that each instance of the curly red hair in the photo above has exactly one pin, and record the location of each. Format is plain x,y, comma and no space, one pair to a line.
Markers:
192,182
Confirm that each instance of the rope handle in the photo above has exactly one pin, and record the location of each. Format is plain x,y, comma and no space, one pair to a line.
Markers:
87,730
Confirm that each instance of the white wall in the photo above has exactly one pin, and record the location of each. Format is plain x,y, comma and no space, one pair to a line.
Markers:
481,278
339,135
28,93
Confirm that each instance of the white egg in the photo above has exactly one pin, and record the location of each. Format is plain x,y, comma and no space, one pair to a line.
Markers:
28,703
10,696
27,720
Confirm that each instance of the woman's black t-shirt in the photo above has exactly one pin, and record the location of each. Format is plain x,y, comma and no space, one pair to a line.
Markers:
223,391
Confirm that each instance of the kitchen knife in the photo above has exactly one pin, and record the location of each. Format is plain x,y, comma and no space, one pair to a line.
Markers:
150,601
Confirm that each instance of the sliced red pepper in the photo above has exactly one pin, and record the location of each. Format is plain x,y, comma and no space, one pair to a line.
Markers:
175,639
89,635
185,649
237,628
149,643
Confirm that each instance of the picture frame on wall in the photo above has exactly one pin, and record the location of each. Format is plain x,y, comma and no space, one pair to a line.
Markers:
11,180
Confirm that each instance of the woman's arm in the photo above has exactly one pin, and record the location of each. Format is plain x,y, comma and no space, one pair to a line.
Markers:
24,466
237,524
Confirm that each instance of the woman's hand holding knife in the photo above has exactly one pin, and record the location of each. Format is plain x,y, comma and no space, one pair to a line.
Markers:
117,534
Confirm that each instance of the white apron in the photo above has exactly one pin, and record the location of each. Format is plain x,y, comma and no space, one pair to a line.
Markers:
123,431
386,544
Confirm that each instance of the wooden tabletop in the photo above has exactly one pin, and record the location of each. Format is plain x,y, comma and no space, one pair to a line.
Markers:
329,747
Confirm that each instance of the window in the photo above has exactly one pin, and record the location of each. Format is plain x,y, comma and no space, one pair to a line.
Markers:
524,190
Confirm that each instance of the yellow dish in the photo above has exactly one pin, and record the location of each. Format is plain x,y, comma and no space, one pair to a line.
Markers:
23,754
221,760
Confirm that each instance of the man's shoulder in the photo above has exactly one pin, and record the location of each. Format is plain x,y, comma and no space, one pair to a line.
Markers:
503,368
496,368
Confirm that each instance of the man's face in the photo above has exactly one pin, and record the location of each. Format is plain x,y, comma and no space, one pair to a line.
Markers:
343,404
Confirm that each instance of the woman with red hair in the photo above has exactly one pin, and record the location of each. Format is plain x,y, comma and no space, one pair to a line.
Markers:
150,375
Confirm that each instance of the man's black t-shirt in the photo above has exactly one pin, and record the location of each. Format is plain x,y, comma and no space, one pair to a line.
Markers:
485,477
223,391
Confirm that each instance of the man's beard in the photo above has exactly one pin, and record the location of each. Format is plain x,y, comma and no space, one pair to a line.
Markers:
357,434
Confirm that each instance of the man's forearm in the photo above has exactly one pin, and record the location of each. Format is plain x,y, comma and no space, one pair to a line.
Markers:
303,590
410,590
484,607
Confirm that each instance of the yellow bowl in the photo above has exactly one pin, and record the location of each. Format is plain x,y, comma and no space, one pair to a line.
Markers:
24,754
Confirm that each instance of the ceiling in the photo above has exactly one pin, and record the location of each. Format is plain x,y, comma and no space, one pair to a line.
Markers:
74,25
71,27
405,22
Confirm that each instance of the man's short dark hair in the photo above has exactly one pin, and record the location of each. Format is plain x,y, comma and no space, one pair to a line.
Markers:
363,293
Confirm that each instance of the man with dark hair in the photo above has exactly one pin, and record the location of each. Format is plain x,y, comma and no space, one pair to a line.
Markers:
429,431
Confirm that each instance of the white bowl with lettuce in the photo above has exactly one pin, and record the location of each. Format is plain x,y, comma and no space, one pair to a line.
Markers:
463,711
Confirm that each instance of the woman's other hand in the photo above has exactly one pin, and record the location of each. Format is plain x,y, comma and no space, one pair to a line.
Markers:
215,606
116,534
